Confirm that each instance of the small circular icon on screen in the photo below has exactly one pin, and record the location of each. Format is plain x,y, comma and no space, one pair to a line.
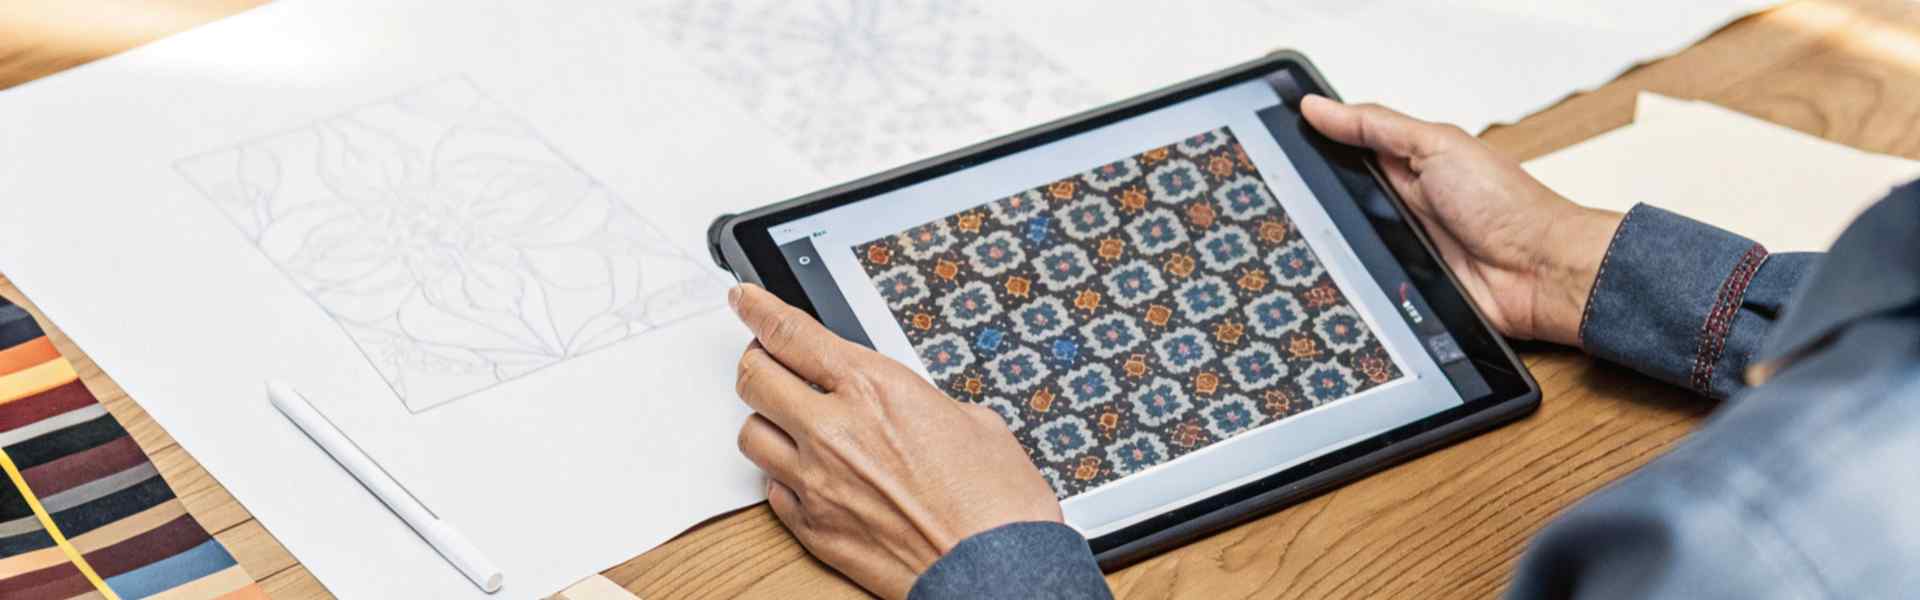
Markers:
806,260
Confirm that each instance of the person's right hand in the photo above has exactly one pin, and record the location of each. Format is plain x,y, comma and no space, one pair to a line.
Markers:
1528,256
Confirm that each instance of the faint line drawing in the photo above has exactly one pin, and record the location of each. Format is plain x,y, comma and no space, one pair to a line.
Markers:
861,84
452,244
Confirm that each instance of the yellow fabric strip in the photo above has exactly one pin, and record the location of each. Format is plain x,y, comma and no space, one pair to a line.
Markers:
33,501
33,380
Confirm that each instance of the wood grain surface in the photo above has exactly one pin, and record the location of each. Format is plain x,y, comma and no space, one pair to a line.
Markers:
1448,525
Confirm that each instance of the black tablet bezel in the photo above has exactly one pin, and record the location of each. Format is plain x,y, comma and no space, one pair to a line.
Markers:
743,245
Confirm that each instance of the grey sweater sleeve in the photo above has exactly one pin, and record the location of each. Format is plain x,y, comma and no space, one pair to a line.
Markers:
1020,560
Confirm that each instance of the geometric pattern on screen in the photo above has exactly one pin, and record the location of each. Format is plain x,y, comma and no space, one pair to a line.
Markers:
1123,317
454,245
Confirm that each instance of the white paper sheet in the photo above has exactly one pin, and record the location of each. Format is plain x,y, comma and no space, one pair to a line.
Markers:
1785,189
433,216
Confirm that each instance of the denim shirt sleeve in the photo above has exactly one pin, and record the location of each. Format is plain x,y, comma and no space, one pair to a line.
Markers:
1020,560
1685,302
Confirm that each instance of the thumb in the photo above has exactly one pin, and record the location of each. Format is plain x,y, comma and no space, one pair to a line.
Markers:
1374,127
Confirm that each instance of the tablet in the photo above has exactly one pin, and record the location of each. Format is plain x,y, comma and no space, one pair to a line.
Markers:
1188,307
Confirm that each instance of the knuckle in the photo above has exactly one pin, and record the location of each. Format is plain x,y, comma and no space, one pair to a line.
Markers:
780,327
749,375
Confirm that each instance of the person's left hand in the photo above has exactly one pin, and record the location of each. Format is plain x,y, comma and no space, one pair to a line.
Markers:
877,472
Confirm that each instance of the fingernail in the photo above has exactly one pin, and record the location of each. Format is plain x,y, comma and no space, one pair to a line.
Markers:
733,298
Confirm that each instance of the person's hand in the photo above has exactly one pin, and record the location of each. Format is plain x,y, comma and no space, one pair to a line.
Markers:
877,473
1527,255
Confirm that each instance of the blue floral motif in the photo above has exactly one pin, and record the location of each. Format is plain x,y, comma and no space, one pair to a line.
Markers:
1038,229
1133,283
1112,175
1088,386
995,253
1326,382
972,304
1063,439
1016,209
1062,267
901,286
1226,247
921,243
1176,182
1160,402
1183,349
1017,370
1065,350
1136,452
1256,366
1243,198
1205,298
1041,319
1275,314
1159,230
989,339
945,355
1294,264
1201,143
1231,415
1342,329
1113,334
1087,218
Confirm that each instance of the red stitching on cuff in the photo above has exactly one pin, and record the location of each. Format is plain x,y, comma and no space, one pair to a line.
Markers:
1713,333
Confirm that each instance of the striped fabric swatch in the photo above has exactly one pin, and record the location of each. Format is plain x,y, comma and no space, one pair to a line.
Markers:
83,513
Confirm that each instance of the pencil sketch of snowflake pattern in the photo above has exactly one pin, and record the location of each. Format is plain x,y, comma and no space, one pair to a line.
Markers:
455,247
861,84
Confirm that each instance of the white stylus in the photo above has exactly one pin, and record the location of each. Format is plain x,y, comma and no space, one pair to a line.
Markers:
444,539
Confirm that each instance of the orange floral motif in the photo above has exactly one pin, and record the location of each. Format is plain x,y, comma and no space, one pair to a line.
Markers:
969,222
1205,383
1201,214
974,385
922,321
1229,332
1136,366
1111,248
1323,295
1158,315
946,269
1220,166
1188,434
879,254
1042,400
1303,347
1061,190
1153,156
1180,265
1018,286
1133,199
1253,280
1279,402
1375,368
1089,468
1273,231
1109,421
1088,300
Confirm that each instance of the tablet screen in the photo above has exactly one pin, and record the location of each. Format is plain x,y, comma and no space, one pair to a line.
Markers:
1161,307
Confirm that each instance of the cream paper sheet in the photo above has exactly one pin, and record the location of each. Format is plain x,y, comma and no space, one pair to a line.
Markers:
470,231
1788,190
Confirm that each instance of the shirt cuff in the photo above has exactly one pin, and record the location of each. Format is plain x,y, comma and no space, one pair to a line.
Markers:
1021,560
1671,300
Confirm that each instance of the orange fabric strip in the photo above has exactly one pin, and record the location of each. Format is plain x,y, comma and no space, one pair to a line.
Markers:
34,352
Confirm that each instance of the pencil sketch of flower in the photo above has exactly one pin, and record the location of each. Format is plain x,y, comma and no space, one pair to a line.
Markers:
454,246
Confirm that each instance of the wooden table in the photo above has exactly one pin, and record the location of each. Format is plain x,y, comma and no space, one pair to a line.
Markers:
1450,524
